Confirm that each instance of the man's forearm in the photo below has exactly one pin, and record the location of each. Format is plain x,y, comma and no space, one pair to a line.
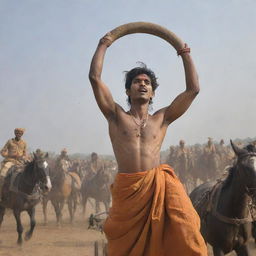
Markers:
4,153
97,62
98,58
192,83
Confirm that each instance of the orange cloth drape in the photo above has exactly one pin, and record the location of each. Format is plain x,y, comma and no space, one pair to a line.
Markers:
152,215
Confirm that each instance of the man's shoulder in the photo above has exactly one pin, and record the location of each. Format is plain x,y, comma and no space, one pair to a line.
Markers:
119,113
159,114
120,109
10,141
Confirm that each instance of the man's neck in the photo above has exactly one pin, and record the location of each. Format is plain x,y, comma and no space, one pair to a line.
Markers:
139,110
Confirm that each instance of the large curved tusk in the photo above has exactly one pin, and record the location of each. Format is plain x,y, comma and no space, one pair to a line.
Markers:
147,28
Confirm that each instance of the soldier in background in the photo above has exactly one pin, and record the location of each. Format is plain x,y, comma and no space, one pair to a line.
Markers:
14,152
183,163
95,165
210,147
211,160
63,156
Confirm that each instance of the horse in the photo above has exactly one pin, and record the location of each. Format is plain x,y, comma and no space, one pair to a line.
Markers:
224,206
21,191
254,230
96,187
253,213
65,188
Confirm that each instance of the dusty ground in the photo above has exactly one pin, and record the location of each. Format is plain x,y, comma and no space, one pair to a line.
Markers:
51,240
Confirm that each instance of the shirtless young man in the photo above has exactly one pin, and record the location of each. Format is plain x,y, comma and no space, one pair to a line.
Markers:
136,138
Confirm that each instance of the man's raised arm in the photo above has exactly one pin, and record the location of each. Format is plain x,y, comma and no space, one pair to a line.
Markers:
182,102
101,92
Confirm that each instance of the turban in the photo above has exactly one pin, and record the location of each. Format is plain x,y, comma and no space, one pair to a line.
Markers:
22,130
39,151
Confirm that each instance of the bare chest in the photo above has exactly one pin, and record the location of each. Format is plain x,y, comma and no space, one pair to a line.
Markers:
128,130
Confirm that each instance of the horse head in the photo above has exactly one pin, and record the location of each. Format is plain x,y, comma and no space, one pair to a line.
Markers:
41,171
246,166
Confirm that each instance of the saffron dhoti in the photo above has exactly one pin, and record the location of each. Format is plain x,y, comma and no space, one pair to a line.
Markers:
152,215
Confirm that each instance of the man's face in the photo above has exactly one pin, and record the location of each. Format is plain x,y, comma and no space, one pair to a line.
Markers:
18,134
182,144
94,158
141,88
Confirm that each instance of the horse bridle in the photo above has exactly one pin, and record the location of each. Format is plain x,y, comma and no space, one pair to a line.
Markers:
225,219
248,190
39,183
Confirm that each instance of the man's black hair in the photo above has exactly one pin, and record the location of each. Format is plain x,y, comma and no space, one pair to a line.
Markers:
130,75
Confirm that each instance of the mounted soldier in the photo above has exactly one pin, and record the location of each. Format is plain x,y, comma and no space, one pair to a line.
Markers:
211,160
184,163
96,183
63,157
14,152
94,166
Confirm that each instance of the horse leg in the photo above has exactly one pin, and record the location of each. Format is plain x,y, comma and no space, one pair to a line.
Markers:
19,226
75,200
62,202
57,211
74,197
2,212
44,204
84,201
217,251
31,213
242,250
70,209
97,206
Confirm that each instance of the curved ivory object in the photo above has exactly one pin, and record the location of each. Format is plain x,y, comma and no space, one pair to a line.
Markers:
147,28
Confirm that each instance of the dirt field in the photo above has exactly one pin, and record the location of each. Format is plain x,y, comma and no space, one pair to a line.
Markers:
51,240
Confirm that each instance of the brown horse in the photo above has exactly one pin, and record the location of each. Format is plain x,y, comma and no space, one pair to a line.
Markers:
97,188
65,188
21,191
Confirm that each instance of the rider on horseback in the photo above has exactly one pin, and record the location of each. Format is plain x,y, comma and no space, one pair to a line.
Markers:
14,153
210,147
183,161
183,152
64,156
95,165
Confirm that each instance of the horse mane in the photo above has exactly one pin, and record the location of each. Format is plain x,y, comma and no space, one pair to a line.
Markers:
250,148
229,178
28,165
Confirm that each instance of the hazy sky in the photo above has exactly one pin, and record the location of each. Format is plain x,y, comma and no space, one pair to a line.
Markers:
47,46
